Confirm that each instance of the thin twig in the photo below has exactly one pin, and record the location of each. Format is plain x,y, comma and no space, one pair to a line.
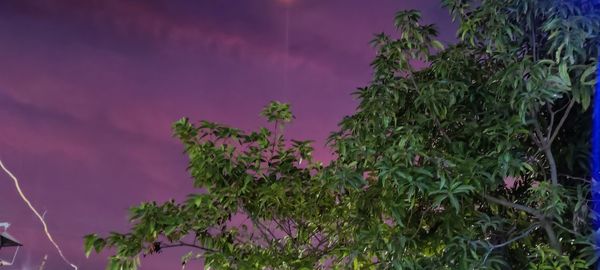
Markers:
287,231
275,140
576,178
262,228
561,122
545,221
520,236
183,244
552,114
567,229
533,40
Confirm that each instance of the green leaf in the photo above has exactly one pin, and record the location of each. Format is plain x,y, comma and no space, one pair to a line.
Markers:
586,78
89,241
413,169
564,75
437,44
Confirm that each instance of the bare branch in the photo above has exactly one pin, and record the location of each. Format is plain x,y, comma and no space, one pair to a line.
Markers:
547,149
545,221
183,244
263,230
551,235
536,140
275,140
552,114
576,178
552,163
538,131
287,231
520,236
533,39
561,122
567,229
506,203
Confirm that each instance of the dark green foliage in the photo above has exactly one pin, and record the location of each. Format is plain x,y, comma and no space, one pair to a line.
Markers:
419,181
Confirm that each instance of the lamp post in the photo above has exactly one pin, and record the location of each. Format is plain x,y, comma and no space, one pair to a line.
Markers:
6,240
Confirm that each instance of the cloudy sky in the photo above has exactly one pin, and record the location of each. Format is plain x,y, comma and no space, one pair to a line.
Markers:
89,89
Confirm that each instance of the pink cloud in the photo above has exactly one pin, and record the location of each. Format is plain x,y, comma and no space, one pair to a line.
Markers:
43,139
129,19
89,89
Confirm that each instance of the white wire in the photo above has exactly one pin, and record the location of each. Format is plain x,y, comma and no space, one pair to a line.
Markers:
287,48
16,181
14,256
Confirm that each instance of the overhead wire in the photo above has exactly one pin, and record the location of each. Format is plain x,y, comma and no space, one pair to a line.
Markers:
40,217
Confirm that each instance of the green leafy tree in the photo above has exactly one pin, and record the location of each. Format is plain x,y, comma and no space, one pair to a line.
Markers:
291,215
420,178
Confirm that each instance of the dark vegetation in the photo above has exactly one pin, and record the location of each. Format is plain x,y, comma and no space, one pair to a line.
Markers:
419,181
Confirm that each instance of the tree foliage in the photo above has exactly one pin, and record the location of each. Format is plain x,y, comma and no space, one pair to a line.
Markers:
421,170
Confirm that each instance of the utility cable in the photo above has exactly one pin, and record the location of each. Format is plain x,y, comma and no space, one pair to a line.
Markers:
16,181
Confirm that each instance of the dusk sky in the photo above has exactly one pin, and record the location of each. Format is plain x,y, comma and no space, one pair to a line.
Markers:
89,90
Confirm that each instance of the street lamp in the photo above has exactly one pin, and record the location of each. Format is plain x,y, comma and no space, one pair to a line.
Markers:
6,240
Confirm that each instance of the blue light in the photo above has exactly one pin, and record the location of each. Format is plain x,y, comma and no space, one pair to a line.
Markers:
596,160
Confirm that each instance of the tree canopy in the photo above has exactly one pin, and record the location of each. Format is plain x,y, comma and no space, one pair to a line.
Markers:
479,160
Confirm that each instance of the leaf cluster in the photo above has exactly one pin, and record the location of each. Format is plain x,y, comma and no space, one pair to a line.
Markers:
422,168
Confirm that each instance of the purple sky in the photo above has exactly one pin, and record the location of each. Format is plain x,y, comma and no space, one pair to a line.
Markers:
89,89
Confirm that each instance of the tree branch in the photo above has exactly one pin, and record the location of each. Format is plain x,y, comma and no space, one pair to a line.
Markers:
183,244
262,228
547,149
552,163
536,140
442,131
552,114
561,122
508,204
275,140
567,229
576,178
520,236
533,40
551,235
287,231
545,221
538,131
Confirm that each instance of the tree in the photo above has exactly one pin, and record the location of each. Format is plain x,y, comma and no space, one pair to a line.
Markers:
420,178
